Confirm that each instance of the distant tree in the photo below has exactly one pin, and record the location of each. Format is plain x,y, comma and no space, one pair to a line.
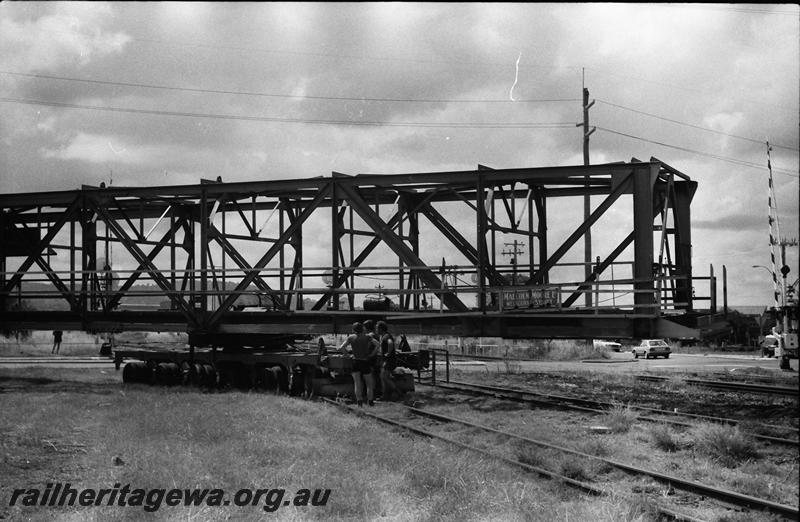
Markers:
18,333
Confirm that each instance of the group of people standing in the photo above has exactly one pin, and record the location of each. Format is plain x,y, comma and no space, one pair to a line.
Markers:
374,359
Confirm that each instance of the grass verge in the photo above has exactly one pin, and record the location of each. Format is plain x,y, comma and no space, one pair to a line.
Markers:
152,437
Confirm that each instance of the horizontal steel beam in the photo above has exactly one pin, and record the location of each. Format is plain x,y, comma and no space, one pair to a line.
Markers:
470,324
566,174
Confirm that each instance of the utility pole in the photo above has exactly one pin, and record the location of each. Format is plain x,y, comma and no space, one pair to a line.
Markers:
516,250
587,237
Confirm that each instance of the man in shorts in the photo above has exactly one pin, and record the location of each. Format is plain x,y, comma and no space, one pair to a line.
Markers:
364,350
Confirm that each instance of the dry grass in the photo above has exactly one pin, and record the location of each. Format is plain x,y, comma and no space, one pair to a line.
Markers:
620,418
663,438
183,438
725,444
537,349
82,344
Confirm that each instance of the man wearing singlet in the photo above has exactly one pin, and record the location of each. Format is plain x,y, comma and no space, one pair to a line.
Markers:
389,358
377,362
364,350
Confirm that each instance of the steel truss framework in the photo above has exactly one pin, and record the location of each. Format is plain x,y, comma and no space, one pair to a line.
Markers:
205,248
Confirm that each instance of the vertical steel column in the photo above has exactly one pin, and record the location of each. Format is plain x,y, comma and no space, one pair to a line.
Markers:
481,240
88,256
253,211
204,247
72,247
681,215
541,230
335,245
725,290
281,260
351,297
493,234
413,233
712,290
189,246
400,276
298,256
529,202
173,242
224,277
644,297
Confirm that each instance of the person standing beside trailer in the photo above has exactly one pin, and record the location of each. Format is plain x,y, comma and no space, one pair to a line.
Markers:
364,348
57,334
369,330
389,356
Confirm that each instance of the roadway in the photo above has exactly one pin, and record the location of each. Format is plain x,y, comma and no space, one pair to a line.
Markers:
617,363
624,362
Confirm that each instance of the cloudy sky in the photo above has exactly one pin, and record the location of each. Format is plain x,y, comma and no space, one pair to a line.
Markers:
168,93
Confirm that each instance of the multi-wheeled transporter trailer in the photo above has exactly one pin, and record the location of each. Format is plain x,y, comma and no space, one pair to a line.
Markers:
246,268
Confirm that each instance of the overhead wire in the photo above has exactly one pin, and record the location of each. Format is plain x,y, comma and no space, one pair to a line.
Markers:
735,161
492,125
526,125
754,140
662,83
371,99
732,9
274,95
363,57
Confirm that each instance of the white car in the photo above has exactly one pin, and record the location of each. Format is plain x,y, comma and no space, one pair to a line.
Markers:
652,348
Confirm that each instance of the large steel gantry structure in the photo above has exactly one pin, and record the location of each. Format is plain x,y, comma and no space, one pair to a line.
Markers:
229,260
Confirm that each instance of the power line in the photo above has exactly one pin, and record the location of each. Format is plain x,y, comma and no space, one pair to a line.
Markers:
495,125
272,95
737,9
662,83
362,57
794,149
707,154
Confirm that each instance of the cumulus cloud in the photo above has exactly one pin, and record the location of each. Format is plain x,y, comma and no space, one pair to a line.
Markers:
56,40
732,72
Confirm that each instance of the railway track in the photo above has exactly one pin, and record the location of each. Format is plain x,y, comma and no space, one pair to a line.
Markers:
731,386
599,407
726,496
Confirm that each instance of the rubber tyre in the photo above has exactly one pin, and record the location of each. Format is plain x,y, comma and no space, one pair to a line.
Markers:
135,372
635,355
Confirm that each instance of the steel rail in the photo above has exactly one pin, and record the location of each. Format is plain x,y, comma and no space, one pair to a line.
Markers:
583,486
724,495
734,386
564,402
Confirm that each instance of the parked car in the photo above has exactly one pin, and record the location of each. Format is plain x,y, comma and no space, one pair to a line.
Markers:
652,348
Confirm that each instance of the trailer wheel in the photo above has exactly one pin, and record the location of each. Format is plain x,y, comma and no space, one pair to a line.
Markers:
167,374
208,376
136,372
192,377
